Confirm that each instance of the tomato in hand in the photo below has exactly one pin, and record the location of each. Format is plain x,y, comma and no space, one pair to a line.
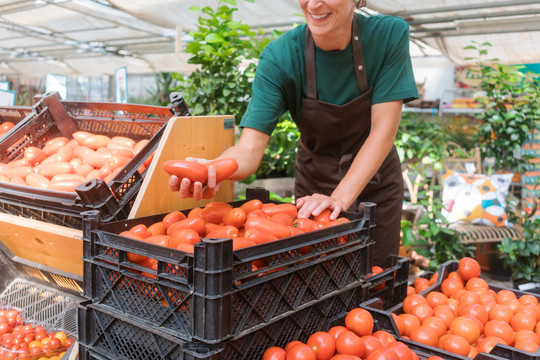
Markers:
225,168
193,170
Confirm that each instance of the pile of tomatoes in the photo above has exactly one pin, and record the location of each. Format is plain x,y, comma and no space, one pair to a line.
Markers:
252,223
355,341
63,164
466,317
5,127
21,341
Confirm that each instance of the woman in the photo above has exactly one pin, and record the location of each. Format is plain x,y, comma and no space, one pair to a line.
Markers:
343,77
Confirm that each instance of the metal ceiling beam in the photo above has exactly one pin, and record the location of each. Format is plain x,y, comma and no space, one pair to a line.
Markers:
502,30
468,7
446,19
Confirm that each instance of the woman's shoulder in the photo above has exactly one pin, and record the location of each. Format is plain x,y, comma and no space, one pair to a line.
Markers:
378,23
288,43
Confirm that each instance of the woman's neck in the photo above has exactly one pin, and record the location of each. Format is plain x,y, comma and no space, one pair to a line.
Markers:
335,40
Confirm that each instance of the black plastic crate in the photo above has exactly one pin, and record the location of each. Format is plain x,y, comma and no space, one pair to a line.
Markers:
113,336
391,284
383,315
53,117
15,114
215,294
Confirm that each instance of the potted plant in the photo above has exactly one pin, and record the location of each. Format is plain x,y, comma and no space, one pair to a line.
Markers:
511,110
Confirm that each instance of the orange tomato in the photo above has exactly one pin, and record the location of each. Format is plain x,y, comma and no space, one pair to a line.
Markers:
235,217
171,218
189,236
359,321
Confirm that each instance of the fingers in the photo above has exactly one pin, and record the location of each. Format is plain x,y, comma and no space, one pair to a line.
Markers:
174,183
316,203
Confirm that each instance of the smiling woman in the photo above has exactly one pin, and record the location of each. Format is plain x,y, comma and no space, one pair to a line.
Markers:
343,77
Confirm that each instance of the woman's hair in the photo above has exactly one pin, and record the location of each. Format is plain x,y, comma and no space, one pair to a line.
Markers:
360,3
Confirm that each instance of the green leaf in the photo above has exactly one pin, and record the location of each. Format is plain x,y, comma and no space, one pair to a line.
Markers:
231,2
213,38
194,8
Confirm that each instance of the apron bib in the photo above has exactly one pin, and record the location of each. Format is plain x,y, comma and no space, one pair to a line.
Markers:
331,136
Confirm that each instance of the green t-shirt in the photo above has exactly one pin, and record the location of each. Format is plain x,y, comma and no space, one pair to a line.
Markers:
280,80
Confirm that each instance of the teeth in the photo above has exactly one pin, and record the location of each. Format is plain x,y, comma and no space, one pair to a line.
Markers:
318,17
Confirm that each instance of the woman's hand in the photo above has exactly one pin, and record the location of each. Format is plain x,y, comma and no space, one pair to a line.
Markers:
196,190
316,203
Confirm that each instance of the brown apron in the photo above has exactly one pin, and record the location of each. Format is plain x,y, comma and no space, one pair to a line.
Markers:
331,136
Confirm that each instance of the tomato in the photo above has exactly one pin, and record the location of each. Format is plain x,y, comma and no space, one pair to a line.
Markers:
424,335
226,231
171,218
412,300
456,344
345,357
450,286
323,217
52,146
383,354
274,353
384,337
420,284
372,344
194,212
141,230
195,223
410,322
225,168
468,268
323,345
193,170
54,168
399,323
209,227
289,209
54,343
34,155
337,330
21,171
500,329
251,205
81,136
300,352
240,243
6,126
401,350
37,180
254,213
422,311
436,298
350,344
64,154
466,328
186,247
436,324
189,236
66,182
475,310
283,219
486,344
267,226
523,321
259,237
157,228
121,142
97,141
359,321
307,225
161,240
476,283
140,145
235,217
214,214
135,258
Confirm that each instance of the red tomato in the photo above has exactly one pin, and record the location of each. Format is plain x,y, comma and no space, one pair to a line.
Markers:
424,335
64,154
81,136
323,217
259,237
383,354
192,170
80,152
267,226
307,225
359,321
402,350
52,146
98,159
186,247
225,168
122,142
345,357
337,330
6,126
456,344
283,219
34,155
240,243
171,218
54,168
351,344
274,353
195,223
66,182
97,141
468,268
384,337
300,352
235,217
289,209
141,230
214,214
226,231
372,344
161,240
251,205
157,228
189,236
323,344
37,180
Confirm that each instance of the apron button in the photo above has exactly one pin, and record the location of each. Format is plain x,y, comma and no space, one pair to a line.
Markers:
356,38
360,67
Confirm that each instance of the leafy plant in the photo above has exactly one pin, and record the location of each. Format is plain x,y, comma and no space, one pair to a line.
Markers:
510,106
220,46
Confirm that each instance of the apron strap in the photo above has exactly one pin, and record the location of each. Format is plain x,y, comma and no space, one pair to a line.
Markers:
358,57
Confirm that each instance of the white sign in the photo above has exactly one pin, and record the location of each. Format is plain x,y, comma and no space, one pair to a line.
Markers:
4,85
57,83
7,98
120,85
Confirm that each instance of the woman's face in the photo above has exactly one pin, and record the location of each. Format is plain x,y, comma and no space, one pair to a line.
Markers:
328,18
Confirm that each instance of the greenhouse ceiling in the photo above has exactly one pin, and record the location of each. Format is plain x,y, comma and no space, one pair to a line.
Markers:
95,37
